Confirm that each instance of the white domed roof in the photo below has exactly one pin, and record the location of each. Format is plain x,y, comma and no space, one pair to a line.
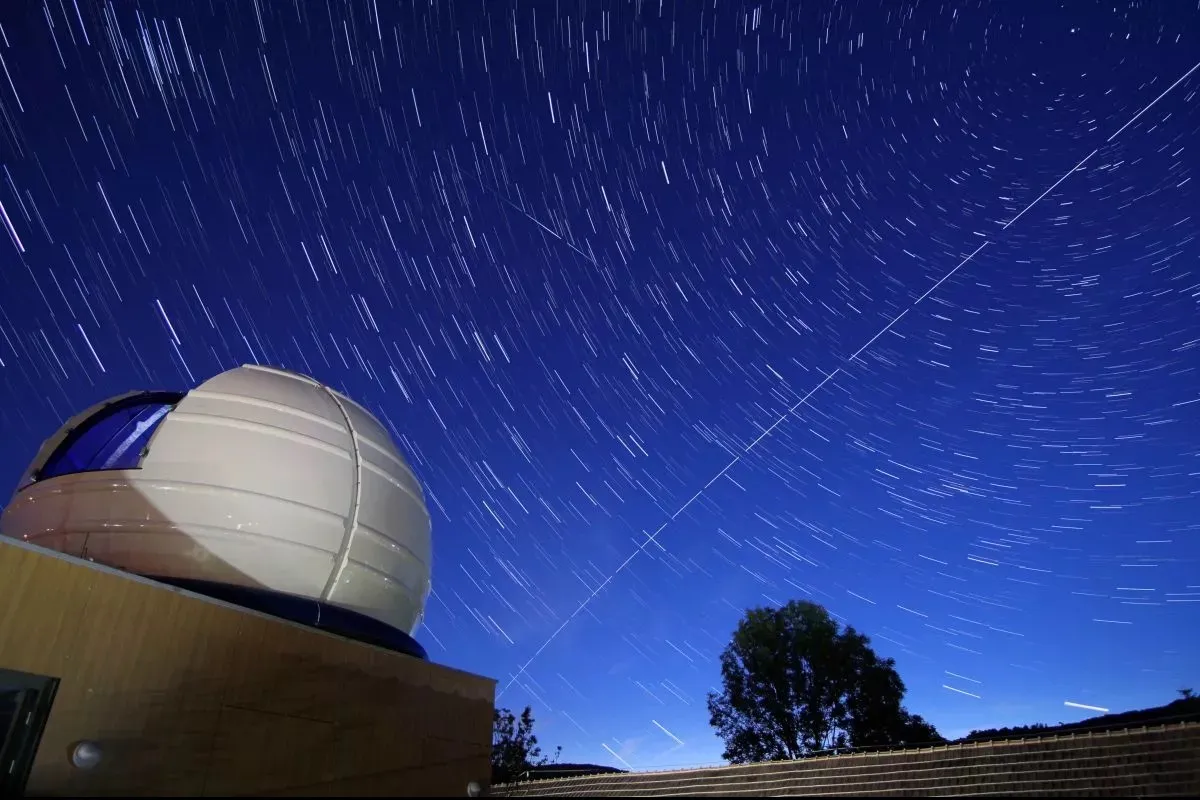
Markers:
259,477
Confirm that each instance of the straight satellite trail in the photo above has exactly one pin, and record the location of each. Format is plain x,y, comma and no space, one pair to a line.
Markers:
583,261
653,538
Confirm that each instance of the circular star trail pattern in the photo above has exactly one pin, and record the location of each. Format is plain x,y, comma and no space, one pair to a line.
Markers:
579,255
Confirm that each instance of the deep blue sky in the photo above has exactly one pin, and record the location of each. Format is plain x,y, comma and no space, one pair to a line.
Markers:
579,256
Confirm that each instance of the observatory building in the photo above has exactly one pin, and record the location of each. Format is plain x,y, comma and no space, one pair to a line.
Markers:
215,593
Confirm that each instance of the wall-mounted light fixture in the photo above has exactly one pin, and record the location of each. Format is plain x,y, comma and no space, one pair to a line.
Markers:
473,789
86,755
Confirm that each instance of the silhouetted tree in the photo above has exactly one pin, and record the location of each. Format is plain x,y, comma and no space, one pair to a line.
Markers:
514,746
795,683
1186,694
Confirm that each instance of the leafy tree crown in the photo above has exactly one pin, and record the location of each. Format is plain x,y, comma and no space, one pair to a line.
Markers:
795,682
515,748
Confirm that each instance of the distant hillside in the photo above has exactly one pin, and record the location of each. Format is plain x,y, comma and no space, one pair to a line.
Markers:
1185,709
568,771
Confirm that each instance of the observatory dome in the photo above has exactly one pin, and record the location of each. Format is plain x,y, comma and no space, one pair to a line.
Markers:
258,478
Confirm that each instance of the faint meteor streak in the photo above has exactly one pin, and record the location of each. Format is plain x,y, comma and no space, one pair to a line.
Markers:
674,738
573,722
1069,704
613,753
534,220
961,677
653,538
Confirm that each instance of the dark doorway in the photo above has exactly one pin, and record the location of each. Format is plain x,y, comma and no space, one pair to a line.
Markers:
25,702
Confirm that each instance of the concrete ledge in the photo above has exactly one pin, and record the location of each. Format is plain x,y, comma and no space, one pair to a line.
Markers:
1160,761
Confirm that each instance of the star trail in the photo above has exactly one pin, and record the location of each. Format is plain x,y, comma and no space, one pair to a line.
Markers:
676,308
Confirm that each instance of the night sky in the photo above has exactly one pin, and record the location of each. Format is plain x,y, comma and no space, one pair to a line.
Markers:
676,308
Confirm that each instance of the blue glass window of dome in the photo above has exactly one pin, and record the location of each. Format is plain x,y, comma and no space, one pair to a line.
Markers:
114,438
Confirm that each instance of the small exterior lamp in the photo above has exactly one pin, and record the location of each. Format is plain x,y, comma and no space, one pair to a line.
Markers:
86,755
473,789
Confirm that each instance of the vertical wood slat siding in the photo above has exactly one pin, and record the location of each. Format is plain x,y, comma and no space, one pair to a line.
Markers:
191,697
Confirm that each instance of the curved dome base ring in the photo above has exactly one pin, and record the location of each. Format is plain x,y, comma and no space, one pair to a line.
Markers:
305,611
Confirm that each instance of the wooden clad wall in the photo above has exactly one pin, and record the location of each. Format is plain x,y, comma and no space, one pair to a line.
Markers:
187,696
